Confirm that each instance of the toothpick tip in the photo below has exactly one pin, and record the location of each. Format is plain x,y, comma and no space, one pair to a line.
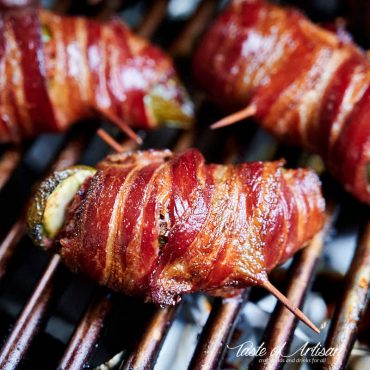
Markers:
139,140
109,140
285,301
122,125
249,111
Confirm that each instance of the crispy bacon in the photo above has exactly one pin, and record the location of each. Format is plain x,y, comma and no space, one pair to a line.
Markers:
158,225
306,84
56,70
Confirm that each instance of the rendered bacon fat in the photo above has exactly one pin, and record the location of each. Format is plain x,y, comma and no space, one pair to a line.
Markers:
305,84
56,70
158,225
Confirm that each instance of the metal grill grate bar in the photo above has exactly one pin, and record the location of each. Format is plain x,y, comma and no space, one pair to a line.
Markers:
147,349
184,44
351,305
31,319
8,163
217,332
86,334
153,18
10,243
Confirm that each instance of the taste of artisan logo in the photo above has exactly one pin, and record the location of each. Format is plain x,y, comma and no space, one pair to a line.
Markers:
317,353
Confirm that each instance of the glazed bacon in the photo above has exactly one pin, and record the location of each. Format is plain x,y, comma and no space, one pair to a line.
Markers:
158,225
56,70
305,84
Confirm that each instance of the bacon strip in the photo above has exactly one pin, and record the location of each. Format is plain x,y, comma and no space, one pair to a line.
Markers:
25,107
307,84
159,225
57,70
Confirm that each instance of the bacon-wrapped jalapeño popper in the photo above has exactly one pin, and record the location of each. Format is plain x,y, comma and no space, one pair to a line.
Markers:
303,83
56,70
159,225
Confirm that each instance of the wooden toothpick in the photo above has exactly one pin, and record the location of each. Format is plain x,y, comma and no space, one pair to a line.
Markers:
110,141
122,125
249,111
285,301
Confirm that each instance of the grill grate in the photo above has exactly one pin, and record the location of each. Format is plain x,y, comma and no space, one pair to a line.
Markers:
352,305
220,325
87,333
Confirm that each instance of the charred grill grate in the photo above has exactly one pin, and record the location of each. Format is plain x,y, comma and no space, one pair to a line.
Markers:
40,304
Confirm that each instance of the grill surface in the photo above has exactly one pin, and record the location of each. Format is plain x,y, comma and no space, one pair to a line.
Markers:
38,303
